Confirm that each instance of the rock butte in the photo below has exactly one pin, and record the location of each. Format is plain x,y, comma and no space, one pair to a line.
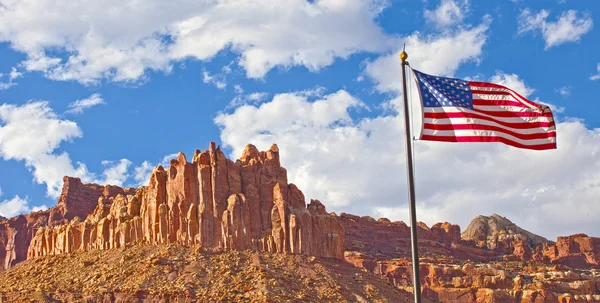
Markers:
212,202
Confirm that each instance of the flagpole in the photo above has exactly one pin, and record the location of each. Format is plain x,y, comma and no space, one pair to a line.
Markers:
411,187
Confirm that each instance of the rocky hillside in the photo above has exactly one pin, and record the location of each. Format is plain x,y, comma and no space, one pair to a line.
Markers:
498,233
2,218
174,273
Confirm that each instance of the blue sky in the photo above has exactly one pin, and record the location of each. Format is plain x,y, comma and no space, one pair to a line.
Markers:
105,90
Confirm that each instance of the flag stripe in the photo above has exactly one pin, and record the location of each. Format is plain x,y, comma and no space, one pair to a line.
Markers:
490,113
485,133
488,139
505,113
482,127
473,114
487,88
500,108
524,128
499,102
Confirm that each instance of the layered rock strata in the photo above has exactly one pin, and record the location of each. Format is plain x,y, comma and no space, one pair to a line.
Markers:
76,201
212,202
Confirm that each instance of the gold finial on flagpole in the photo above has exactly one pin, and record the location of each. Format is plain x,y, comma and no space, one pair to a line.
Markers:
403,54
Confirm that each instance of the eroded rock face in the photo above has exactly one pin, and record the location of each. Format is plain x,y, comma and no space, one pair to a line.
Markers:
77,200
211,201
500,234
576,251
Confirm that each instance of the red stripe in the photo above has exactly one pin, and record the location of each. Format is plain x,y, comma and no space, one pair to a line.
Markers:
509,114
485,102
488,139
521,125
489,127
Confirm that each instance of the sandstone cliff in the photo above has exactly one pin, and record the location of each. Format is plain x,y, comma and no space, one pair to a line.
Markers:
210,201
2,218
77,200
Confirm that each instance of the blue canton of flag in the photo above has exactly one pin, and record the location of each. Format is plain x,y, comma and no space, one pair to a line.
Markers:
439,91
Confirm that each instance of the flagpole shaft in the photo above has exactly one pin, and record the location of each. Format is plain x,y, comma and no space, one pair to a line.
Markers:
411,188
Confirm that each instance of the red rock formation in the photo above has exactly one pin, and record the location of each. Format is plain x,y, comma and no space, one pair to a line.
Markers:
575,251
500,234
77,200
211,201
382,239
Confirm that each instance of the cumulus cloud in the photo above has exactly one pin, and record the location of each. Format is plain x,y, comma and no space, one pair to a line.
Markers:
438,54
33,133
17,206
448,13
596,76
121,41
358,165
569,27
79,106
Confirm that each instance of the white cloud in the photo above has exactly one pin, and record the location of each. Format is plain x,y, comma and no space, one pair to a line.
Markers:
596,76
513,82
142,173
218,80
252,98
6,85
568,28
115,173
358,165
238,89
438,55
564,91
448,13
17,206
79,106
33,133
14,74
121,40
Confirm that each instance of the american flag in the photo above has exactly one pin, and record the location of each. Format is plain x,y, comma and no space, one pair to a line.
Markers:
456,110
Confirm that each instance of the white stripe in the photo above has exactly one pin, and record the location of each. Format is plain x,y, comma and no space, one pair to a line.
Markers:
453,109
486,133
454,121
